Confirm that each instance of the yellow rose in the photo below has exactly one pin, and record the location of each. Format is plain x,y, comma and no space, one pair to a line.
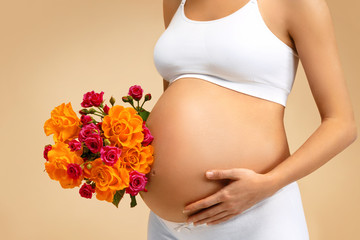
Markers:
123,127
108,179
64,123
59,159
138,158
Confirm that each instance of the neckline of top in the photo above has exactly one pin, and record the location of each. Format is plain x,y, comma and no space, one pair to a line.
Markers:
214,20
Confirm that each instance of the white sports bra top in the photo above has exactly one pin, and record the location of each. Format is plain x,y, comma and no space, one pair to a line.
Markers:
237,51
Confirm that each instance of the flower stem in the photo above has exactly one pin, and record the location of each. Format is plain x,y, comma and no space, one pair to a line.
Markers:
143,103
102,111
98,115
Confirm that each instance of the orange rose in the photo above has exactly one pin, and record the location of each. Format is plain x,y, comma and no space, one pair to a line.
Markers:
108,179
123,127
64,123
138,158
60,158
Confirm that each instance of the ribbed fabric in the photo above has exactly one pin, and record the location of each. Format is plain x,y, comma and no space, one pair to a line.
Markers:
237,51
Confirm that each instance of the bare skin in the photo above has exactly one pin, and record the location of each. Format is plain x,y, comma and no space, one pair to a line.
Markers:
304,25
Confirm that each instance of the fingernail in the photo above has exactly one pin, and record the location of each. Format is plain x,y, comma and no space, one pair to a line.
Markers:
209,174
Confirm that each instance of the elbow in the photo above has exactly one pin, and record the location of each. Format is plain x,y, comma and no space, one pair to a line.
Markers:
352,131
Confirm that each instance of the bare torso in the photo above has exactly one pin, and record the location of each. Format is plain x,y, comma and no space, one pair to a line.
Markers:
198,126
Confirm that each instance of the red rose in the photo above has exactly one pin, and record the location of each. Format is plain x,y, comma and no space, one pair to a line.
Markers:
94,143
86,190
74,170
136,92
74,145
92,99
47,148
110,155
88,130
137,183
148,138
85,119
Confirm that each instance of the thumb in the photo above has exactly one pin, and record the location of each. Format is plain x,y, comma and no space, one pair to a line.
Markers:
224,174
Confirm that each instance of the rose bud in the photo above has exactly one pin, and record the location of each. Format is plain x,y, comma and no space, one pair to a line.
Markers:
135,92
106,109
107,142
130,99
88,166
47,148
125,99
92,110
112,101
83,111
147,97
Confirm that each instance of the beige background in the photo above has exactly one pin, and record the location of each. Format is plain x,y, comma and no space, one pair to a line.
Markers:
53,51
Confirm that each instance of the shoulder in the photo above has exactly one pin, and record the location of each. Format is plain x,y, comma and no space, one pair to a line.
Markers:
169,9
306,16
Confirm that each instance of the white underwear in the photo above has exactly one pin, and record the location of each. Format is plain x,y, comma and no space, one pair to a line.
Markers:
278,217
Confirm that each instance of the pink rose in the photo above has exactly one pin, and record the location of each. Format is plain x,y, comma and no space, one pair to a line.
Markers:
110,155
99,125
148,138
86,190
74,170
92,99
74,145
94,143
47,148
87,131
136,92
106,109
85,119
137,183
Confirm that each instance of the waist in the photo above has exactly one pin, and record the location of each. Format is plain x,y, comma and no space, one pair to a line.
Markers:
215,122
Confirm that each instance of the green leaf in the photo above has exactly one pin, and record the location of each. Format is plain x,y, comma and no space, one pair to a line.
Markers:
144,114
118,196
133,201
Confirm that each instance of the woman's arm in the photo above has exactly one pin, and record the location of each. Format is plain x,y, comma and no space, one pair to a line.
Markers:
311,28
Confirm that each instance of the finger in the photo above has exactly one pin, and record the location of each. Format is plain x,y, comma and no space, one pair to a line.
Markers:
206,213
233,173
221,219
205,202
212,218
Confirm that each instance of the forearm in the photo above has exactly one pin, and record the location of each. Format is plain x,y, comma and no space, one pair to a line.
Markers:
329,139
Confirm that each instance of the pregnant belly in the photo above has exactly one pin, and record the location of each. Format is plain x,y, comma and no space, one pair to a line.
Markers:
198,126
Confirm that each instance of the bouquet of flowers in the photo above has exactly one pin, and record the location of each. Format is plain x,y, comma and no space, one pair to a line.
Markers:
107,156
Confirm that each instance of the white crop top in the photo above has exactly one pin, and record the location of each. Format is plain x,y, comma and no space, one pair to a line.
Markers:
237,51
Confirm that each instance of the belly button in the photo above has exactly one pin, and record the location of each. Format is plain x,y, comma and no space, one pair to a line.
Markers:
153,172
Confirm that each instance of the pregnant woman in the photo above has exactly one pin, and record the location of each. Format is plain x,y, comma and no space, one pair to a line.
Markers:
228,68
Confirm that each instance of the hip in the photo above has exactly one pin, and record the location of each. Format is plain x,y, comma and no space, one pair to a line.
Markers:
278,217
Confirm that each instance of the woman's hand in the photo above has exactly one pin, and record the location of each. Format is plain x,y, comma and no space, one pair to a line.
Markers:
246,188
